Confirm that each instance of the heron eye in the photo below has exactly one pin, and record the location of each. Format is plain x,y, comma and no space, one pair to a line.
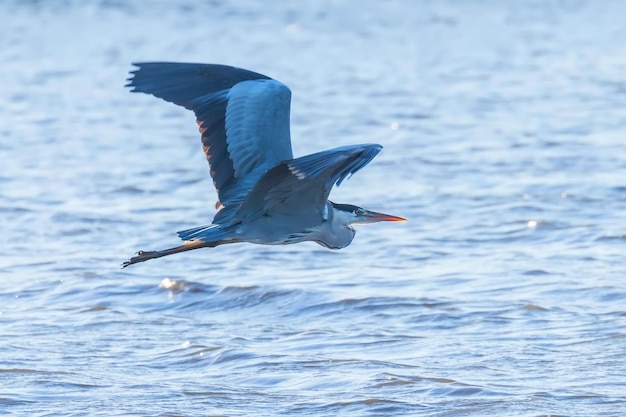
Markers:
359,212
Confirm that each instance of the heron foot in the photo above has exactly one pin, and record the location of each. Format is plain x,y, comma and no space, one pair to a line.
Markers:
141,257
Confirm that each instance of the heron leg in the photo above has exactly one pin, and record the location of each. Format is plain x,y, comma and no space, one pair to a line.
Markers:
143,256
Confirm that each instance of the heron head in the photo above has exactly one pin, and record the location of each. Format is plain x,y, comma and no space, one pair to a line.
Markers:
358,215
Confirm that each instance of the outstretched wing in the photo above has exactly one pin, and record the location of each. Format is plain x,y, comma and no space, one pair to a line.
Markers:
243,117
301,186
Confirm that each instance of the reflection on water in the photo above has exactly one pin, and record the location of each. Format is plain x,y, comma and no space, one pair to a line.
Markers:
503,128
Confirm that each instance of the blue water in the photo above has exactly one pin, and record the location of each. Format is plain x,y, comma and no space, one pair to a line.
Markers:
504,134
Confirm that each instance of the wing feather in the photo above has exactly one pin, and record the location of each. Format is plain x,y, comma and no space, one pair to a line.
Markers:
301,186
243,117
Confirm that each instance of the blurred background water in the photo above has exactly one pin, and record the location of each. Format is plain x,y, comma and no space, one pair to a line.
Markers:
504,127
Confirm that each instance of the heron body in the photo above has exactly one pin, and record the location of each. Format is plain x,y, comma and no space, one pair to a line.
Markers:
265,195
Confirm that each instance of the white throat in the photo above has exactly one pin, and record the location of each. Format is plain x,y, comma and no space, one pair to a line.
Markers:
336,230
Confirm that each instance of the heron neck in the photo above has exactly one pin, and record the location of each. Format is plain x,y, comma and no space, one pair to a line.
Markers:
336,230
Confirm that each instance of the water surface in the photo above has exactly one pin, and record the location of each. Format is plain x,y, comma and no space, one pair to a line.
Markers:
503,128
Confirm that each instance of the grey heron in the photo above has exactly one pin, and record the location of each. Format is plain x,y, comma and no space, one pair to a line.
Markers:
265,196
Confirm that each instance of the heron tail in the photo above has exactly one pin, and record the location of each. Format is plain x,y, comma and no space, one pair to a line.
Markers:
210,233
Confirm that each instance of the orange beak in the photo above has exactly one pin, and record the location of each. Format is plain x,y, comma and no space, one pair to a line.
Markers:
374,217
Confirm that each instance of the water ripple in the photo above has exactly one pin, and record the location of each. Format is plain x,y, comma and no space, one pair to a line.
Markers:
503,138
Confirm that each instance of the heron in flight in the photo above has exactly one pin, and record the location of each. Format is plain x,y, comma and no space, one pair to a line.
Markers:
265,195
